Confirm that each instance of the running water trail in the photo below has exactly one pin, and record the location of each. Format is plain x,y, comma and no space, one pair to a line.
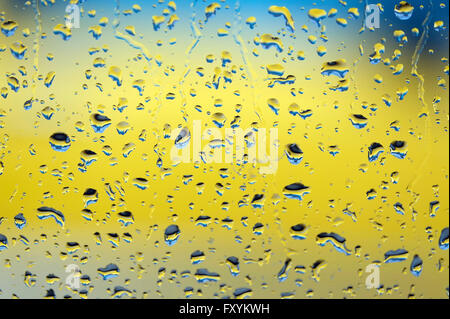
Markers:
196,35
143,50
244,54
272,183
421,94
360,55
126,38
36,44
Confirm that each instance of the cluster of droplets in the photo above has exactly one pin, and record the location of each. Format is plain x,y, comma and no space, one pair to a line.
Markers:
273,219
